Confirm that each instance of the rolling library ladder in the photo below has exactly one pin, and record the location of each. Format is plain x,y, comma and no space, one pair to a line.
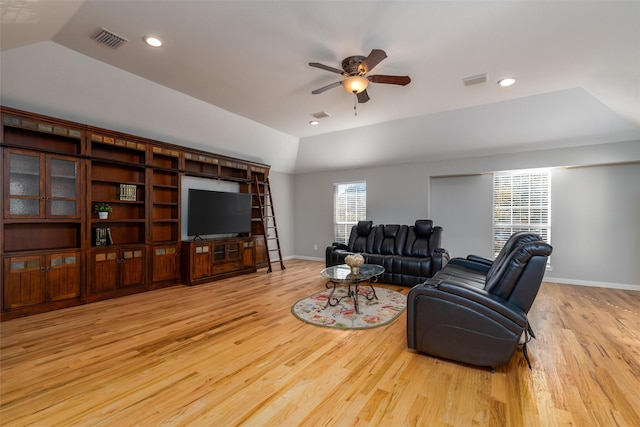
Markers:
269,226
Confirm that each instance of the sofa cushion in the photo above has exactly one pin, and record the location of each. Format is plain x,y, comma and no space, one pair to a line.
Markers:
418,235
423,227
359,236
413,266
389,239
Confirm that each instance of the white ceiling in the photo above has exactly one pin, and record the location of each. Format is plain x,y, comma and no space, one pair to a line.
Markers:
251,58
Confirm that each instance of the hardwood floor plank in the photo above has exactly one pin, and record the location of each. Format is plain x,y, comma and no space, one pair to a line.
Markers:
231,353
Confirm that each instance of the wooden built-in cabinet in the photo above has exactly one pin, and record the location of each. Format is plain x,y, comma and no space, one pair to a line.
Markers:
56,252
260,251
164,214
165,263
117,270
31,280
42,232
206,260
118,172
164,187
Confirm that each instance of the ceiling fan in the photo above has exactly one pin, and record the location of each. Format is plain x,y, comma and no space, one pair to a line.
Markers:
354,70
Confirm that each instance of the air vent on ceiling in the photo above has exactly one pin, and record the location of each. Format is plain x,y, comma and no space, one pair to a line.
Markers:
474,80
321,115
109,39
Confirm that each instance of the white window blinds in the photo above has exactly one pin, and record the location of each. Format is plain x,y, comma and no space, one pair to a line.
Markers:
521,202
349,207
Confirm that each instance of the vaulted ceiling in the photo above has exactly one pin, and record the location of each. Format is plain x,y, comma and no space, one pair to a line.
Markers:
577,64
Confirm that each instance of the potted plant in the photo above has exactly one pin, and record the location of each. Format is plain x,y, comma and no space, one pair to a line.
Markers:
102,209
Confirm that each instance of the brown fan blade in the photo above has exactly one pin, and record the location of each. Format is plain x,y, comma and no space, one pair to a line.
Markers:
325,67
372,60
362,96
390,80
326,88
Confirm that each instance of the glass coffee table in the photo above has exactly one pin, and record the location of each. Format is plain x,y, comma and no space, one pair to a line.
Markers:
341,274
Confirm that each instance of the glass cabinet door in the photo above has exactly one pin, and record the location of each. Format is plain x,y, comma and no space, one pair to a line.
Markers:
62,187
25,189
41,185
219,252
234,250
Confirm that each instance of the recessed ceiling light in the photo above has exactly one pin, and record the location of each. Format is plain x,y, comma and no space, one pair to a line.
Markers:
152,41
313,122
507,82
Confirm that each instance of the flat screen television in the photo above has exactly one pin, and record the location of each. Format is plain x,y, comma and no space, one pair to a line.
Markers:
217,212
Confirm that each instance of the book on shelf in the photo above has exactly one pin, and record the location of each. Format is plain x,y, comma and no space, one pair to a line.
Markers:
102,236
128,192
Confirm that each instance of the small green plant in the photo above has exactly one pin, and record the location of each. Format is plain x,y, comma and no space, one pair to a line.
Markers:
102,207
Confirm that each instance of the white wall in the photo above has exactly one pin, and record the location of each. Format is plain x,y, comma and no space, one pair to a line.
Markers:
595,210
462,205
595,220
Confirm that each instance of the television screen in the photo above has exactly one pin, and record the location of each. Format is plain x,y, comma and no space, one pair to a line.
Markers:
216,212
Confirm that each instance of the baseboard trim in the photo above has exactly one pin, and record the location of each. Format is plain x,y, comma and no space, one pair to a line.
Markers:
592,283
307,258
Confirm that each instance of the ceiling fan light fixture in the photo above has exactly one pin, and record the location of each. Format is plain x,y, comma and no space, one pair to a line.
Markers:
355,84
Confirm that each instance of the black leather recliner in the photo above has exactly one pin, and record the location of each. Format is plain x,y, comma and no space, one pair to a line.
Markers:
475,311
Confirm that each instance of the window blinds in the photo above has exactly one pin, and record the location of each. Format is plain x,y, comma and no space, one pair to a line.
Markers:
521,202
349,207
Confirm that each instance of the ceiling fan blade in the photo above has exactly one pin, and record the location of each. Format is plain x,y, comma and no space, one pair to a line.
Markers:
326,88
390,80
325,67
362,96
372,60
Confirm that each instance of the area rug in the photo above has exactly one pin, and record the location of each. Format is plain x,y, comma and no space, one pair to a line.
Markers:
373,313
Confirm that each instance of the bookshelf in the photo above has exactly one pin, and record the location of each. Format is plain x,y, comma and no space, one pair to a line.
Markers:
56,252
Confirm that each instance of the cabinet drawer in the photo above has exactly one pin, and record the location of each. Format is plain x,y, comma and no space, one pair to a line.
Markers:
226,267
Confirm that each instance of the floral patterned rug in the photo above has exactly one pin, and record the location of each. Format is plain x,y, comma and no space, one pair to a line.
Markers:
373,313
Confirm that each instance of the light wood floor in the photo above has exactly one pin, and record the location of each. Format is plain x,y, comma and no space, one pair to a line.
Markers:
231,353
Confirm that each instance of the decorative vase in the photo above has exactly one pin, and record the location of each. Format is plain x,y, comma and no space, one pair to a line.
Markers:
354,261
103,215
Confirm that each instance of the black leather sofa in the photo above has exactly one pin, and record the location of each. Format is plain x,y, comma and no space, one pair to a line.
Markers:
474,310
410,254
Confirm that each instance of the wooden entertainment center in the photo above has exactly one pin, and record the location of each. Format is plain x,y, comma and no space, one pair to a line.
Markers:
55,250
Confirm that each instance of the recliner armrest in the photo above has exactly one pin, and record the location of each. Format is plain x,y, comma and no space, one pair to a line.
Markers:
439,259
479,259
329,258
338,245
478,296
472,265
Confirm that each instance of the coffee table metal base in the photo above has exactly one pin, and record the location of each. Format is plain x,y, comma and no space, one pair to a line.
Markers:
352,292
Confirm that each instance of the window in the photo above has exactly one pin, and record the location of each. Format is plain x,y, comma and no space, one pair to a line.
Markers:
521,202
349,207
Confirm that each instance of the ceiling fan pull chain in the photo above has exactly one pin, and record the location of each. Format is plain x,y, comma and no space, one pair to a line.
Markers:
355,104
